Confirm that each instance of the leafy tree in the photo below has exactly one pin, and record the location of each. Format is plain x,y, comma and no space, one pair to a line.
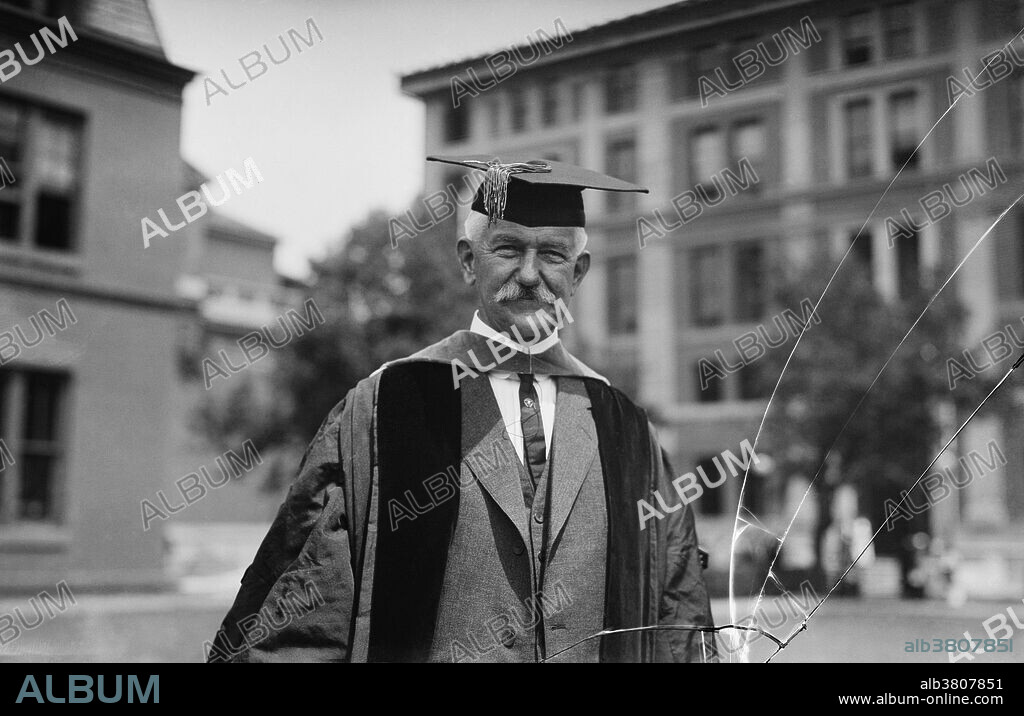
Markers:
897,428
378,303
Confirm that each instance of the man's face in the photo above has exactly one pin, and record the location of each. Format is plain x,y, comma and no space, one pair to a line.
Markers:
520,270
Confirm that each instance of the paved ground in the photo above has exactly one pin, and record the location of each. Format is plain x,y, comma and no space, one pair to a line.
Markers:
877,630
134,628
155,628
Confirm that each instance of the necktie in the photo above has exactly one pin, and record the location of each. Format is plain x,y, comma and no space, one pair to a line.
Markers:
536,463
533,428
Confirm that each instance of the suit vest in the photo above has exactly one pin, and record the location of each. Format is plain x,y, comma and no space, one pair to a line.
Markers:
419,436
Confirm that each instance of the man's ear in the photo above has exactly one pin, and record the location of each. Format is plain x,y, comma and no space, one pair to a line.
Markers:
580,269
464,249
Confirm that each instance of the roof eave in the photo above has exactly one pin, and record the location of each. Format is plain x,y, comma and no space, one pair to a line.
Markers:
101,47
585,42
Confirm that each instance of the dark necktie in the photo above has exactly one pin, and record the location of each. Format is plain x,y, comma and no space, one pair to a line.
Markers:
533,429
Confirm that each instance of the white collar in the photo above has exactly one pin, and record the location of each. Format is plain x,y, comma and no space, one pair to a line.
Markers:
481,328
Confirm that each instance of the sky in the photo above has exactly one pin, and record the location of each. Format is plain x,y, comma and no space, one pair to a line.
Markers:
329,129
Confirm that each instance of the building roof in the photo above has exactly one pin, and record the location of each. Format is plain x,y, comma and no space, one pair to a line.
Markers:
119,34
126,20
659,22
129,20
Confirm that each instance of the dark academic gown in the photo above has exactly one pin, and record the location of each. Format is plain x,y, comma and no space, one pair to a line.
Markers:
406,535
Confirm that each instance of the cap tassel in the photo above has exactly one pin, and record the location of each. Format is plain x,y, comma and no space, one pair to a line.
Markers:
496,183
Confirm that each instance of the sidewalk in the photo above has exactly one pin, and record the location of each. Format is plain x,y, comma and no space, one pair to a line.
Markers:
131,628
876,630
173,627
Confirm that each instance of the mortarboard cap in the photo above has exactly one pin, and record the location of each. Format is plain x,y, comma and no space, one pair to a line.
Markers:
534,192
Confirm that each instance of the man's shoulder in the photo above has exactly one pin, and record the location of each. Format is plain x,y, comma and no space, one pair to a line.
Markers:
602,390
443,351
587,372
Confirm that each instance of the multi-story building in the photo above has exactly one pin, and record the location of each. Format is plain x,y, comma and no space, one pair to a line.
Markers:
826,102
90,112
102,336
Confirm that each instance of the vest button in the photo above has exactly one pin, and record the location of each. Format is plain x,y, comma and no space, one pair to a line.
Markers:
518,549
509,639
539,517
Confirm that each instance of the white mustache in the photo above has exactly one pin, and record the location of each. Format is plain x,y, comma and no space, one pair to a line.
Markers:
514,291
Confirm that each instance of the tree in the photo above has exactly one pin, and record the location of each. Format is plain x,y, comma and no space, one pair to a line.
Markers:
379,303
896,430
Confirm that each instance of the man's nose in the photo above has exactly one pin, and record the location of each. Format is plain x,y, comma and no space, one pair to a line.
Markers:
529,275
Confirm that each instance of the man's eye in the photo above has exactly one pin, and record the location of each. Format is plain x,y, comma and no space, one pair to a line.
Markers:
554,255
506,250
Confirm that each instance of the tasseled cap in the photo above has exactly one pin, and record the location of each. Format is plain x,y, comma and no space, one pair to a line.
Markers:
534,192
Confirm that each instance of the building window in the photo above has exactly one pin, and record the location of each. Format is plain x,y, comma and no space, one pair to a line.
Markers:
685,72
908,264
622,294
899,30
494,107
620,85
997,18
456,122
41,152
460,188
1020,258
863,249
576,101
819,55
707,278
903,130
707,152
679,79
858,138
737,46
757,491
748,142
549,102
752,383
708,387
705,61
713,149
517,109
12,133
621,163
1015,115
56,178
749,281
32,408
712,502
857,38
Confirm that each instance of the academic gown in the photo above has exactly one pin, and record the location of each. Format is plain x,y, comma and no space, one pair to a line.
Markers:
405,536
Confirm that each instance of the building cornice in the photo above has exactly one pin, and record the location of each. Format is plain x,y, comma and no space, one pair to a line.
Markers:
74,287
689,16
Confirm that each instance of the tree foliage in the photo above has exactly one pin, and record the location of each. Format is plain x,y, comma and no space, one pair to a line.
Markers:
877,435
379,304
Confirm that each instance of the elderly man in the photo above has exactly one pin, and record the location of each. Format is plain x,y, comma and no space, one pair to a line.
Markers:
481,500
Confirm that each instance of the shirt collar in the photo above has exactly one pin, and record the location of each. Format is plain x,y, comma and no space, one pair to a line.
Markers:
481,328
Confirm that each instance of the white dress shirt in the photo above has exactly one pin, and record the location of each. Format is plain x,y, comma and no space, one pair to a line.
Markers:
505,386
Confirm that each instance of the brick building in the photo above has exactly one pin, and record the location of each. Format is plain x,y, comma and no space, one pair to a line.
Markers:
98,380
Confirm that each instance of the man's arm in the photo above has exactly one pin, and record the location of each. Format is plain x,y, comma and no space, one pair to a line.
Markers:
295,600
684,597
